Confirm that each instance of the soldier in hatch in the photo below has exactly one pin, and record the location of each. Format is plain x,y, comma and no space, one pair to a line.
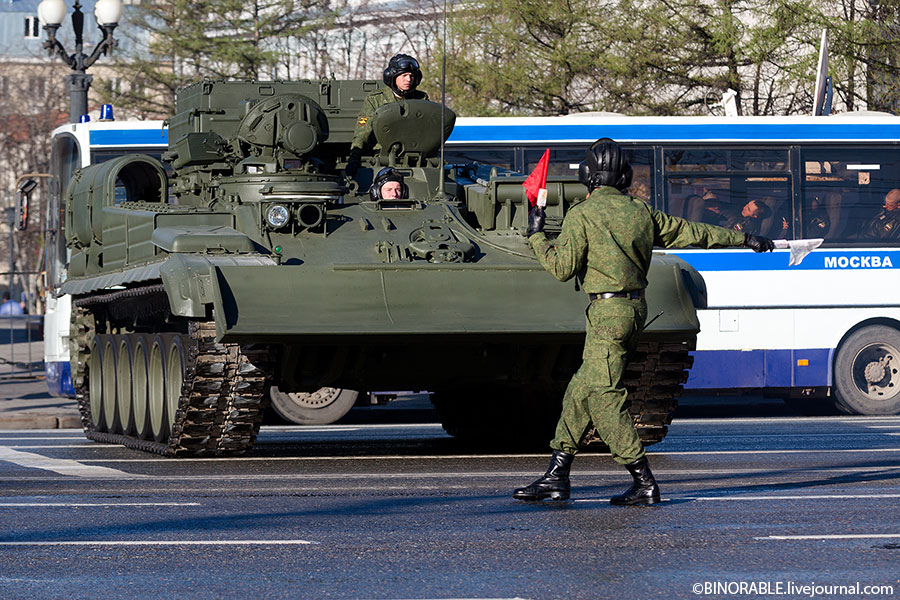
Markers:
388,185
402,76
608,239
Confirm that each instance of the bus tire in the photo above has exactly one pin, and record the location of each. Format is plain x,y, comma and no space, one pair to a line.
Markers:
867,372
321,407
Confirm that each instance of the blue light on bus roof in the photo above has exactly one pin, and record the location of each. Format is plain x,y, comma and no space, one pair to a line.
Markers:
685,132
129,137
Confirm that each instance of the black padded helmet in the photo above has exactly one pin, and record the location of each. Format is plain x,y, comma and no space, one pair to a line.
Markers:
605,164
385,175
399,64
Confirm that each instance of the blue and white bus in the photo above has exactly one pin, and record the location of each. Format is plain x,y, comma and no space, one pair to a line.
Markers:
74,146
829,327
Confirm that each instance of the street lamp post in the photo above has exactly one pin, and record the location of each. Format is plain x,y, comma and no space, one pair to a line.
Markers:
51,14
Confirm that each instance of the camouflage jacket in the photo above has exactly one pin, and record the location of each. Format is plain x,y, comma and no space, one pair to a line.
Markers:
609,238
730,219
363,139
883,226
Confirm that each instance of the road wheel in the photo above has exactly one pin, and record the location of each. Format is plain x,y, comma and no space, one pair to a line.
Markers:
321,407
156,398
174,378
867,372
140,387
95,383
124,364
110,412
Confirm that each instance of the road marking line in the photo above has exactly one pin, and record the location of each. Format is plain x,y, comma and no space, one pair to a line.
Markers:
783,420
883,426
751,498
165,543
452,475
809,497
58,465
406,457
86,504
348,427
844,536
54,446
30,438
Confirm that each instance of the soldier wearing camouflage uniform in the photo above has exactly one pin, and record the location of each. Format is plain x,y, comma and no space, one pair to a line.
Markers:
398,89
886,224
608,240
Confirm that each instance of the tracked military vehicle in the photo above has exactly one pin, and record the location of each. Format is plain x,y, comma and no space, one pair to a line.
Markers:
258,264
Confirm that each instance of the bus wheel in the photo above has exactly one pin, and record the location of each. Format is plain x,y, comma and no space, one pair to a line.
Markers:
867,372
321,407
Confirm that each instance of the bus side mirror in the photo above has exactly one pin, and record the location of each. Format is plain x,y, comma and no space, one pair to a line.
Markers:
23,195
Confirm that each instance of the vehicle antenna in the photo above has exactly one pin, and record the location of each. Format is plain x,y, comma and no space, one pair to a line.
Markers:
443,93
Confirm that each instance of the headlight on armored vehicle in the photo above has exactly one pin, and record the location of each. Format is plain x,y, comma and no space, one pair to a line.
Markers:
277,216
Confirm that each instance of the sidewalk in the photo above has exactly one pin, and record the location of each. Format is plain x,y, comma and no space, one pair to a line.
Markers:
26,404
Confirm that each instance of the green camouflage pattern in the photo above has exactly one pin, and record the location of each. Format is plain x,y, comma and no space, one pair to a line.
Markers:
610,237
363,138
596,394
609,240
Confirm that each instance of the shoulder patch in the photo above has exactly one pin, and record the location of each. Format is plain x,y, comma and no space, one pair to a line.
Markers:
738,226
362,121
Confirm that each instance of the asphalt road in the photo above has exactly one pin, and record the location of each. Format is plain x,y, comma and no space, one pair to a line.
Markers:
403,511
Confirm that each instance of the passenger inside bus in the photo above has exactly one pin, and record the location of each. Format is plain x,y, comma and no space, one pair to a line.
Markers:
885,225
749,219
823,216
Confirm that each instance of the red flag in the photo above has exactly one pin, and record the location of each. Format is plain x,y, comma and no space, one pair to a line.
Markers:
537,181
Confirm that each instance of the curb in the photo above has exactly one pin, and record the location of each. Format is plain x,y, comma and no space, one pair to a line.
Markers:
40,421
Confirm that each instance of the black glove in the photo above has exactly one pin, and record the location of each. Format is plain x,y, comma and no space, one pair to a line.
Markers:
758,243
352,166
535,220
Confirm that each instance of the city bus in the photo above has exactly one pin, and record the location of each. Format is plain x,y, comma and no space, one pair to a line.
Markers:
827,329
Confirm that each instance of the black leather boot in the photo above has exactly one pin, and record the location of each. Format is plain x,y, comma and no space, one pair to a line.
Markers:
644,490
555,482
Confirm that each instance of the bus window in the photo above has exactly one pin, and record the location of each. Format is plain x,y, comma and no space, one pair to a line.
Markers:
753,204
744,189
495,157
759,160
680,160
65,158
844,190
565,161
641,160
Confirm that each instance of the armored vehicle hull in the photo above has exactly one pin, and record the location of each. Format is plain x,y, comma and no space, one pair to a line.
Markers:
268,268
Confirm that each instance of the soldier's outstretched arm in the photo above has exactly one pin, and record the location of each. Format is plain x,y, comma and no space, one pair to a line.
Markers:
564,256
675,232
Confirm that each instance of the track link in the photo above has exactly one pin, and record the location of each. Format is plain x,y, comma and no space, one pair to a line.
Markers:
223,395
654,377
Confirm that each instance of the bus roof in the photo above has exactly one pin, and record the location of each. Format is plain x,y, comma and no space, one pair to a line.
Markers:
867,127
847,127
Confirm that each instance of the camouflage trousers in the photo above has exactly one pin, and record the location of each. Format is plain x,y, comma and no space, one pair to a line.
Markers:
595,394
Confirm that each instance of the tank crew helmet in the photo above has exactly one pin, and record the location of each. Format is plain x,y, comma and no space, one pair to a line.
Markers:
399,64
605,164
384,176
